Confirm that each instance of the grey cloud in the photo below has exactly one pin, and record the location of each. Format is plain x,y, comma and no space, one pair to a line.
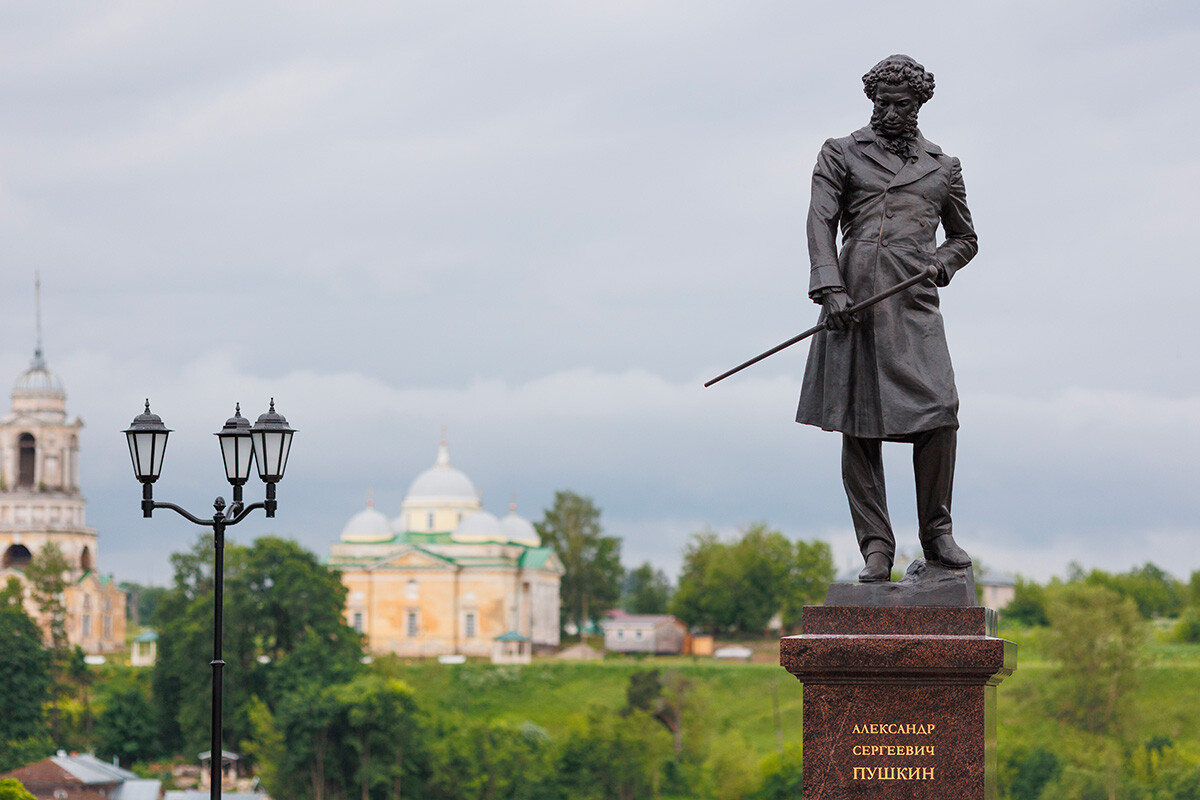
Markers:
544,225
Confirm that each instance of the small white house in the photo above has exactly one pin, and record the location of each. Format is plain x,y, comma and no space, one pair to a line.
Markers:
643,633
997,589
144,651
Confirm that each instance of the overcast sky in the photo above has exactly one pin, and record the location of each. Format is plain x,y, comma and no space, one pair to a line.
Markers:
545,225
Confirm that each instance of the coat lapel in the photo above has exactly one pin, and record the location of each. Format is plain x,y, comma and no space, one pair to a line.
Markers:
924,164
871,149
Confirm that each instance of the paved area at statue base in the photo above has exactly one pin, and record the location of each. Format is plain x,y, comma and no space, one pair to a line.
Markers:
899,702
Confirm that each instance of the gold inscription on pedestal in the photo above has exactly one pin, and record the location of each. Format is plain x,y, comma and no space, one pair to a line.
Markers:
893,750
894,727
906,772
893,773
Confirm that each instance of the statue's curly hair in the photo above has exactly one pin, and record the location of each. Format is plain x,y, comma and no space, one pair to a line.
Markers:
899,70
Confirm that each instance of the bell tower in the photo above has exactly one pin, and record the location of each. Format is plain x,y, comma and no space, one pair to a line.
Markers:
40,501
40,504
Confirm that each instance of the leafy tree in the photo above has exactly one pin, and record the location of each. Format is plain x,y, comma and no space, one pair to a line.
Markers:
763,563
283,631
1182,784
808,579
25,685
47,576
730,767
643,691
612,757
740,585
360,737
1096,636
12,789
266,747
125,727
181,615
1027,771
1188,627
380,717
1074,783
12,593
783,775
592,583
705,596
307,721
647,591
142,601
1156,593
78,679
478,758
1028,606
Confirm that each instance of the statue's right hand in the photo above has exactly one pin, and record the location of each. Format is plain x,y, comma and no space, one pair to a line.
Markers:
835,305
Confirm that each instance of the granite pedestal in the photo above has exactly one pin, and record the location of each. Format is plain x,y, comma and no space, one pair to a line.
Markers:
899,701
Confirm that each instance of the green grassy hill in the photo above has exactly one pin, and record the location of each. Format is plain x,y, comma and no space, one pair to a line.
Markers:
739,695
727,697
733,702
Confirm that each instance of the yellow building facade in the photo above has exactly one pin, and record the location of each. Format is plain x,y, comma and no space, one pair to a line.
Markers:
41,504
445,576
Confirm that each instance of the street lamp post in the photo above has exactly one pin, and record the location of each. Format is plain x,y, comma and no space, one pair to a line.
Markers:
266,443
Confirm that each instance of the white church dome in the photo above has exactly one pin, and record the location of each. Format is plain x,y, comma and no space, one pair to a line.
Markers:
442,483
38,381
478,527
367,525
519,530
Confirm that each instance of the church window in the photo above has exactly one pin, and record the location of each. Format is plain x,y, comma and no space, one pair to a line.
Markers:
85,559
470,626
412,591
107,626
358,622
86,623
26,459
429,520
414,626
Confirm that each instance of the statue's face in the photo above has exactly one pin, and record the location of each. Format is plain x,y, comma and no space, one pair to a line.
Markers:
896,106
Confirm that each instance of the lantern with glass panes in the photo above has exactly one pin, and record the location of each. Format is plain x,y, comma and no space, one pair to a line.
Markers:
267,442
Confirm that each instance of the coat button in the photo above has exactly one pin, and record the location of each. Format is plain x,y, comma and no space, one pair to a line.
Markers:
891,213
922,223
885,244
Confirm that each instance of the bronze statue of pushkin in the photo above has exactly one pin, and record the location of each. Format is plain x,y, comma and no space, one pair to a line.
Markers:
883,374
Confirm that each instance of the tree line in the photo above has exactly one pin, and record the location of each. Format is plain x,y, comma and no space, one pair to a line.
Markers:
726,586
1096,709
1112,712
318,720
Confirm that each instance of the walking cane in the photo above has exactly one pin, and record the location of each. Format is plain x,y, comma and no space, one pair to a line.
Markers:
928,274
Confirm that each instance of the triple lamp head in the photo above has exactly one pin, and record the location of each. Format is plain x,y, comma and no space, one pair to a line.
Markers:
266,443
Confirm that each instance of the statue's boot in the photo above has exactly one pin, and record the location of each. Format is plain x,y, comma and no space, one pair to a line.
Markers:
877,570
945,551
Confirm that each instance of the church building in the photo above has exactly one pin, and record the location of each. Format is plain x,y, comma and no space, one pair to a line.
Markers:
446,577
40,504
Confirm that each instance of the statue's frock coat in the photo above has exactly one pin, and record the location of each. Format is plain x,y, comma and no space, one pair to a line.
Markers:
889,374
